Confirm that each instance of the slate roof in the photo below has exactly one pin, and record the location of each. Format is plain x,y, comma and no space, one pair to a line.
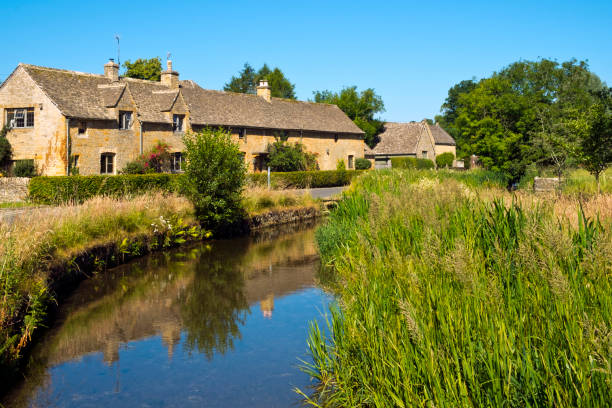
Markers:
89,96
403,138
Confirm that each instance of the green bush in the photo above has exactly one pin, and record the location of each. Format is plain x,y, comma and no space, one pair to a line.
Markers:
283,156
411,163
6,152
305,179
24,168
362,164
215,174
340,165
445,160
76,189
134,167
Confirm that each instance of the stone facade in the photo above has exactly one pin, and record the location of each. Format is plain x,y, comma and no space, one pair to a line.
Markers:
90,105
13,189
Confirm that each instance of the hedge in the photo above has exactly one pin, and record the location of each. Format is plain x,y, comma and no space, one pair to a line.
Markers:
76,189
305,179
411,163
63,189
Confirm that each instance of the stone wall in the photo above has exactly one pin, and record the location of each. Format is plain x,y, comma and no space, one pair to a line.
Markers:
13,189
545,184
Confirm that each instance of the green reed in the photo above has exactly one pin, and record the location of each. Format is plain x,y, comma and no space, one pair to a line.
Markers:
446,300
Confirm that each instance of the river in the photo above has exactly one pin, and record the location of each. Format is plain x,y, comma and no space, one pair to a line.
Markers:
219,324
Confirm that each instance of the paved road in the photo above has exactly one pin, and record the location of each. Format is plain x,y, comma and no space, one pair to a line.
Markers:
326,192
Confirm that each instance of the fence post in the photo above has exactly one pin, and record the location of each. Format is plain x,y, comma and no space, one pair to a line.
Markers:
269,178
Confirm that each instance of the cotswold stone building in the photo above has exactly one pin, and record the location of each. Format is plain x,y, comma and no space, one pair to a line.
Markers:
413,139
98,123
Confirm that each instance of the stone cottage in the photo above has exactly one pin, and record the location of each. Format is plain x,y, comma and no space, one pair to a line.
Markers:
412,139
99,123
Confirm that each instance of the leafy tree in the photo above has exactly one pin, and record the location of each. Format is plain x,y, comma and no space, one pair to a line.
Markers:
248,79
445,160
143,68
516,117
215,175
283,156
6,152
361,107
595,130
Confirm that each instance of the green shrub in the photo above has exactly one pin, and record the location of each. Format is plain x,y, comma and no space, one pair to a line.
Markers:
445,160
305,179
134,167
24,168
76,189
215,175
283,156
6,152
411,163
340,165
362,164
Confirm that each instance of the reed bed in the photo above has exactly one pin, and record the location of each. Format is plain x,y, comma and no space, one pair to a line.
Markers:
451,295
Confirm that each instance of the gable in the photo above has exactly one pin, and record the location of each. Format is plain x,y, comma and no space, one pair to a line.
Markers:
20,90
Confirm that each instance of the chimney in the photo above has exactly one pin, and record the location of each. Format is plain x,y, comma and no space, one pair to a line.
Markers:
111,70
169,77
263,90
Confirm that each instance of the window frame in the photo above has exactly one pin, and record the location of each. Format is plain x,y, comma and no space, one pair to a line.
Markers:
104,164
181,119
173,162
351,161
27,118
122,116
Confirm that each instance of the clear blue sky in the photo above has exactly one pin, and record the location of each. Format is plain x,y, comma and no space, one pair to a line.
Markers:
409,52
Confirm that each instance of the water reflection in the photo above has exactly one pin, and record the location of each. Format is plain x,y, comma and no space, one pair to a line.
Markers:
196,302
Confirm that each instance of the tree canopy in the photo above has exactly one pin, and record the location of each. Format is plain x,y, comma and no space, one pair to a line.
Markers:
519,115
361,107
143,68
248,79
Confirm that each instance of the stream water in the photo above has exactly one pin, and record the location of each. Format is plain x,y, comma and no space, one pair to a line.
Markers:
220,324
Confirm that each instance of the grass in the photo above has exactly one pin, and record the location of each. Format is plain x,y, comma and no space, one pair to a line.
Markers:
258,200
575,181
454,295
17,204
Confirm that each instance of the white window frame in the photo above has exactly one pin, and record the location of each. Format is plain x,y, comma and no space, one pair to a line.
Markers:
174,162
25,116
123,124
178,122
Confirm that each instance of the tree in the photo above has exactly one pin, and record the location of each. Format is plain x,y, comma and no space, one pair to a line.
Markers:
215,175
283,156
6,151
248,79
360,107
142,68
516,117
595,130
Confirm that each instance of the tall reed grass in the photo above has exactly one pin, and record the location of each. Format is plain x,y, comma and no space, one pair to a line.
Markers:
449,297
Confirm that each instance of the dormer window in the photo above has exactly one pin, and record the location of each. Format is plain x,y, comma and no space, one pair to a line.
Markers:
125,120
20,117
82,128
177,123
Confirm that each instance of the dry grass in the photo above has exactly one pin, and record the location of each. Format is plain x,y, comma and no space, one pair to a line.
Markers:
258,200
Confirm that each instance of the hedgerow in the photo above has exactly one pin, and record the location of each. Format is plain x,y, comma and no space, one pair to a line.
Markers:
411,163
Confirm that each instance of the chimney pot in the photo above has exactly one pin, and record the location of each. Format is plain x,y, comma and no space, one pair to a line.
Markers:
263,90
111,70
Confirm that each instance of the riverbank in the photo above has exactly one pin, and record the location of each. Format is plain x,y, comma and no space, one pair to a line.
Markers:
44,253
454,294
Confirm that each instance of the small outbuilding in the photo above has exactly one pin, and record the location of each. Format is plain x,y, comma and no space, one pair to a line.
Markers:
411,139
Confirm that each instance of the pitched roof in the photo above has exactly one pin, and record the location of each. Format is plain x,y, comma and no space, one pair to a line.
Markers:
440,136
83,95
398,138
403,138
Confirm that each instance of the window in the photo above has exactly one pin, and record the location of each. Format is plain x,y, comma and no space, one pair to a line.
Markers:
425,153
350,161
125,120
177,123
107,161
242,134
20,117
336,138
82,128
176,162
74,161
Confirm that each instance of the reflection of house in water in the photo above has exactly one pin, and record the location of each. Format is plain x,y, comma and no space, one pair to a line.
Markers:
161,296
